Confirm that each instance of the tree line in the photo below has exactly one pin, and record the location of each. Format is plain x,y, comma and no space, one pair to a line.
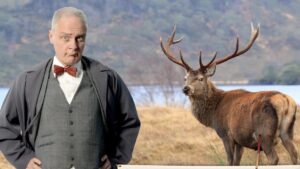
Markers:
125,35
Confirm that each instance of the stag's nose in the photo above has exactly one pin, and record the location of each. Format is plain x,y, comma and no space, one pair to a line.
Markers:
185,89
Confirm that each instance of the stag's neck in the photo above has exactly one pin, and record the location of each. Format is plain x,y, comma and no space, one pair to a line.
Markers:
203,107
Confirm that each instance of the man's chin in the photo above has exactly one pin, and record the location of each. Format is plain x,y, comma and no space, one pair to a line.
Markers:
73,59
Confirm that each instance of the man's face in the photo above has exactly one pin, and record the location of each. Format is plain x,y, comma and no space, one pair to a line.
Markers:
68,39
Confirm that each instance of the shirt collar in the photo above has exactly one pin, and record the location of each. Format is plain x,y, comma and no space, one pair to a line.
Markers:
78,65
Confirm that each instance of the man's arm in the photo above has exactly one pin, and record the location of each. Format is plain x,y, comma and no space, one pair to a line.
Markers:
12,144
128,124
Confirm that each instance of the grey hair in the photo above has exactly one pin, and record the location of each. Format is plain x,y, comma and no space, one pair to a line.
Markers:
68,11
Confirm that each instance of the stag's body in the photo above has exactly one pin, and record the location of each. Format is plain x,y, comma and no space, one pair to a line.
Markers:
240,118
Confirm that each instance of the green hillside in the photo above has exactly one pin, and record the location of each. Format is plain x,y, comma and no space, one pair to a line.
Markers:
125,35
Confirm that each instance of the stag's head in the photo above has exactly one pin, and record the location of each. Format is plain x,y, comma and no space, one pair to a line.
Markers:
196,81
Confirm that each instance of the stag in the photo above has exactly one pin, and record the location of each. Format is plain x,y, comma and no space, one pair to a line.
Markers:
239,117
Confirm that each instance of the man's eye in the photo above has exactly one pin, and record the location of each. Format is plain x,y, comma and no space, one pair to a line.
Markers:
66,38
80,39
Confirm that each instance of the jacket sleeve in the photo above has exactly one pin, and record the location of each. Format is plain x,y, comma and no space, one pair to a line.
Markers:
126,123
12,143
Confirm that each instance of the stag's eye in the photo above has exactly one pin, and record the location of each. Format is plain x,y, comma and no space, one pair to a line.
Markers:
200,78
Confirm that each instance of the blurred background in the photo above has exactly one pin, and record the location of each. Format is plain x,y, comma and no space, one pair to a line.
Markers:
124,34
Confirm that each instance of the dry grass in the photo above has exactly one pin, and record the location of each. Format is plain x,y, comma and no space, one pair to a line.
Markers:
4,163
172,136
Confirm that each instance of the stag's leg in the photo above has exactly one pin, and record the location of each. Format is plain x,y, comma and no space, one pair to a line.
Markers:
289,146
268,147
238,152
286,135
229,148
272,156
267,125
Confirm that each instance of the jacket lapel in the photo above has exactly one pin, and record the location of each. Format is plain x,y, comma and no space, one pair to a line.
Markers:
98,75
101,86
35,77
34,82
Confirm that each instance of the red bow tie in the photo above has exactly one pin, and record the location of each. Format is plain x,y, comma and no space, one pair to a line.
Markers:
60,70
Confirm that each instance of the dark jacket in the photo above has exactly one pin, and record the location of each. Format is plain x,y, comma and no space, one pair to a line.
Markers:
19,113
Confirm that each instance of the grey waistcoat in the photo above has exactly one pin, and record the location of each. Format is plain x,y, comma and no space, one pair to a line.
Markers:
70,134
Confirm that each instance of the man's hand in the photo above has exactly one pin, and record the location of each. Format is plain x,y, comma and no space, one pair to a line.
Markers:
34,163
105,162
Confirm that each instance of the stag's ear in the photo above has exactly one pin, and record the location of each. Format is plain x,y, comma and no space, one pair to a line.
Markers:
211,70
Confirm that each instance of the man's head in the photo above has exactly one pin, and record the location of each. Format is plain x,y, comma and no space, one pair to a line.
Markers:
67,34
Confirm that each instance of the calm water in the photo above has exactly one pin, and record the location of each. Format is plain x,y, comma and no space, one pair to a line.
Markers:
3,92
155,95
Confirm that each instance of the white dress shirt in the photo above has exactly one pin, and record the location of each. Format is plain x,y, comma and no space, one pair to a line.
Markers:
68,83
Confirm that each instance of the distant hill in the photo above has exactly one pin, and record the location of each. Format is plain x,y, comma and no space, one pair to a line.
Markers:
125,35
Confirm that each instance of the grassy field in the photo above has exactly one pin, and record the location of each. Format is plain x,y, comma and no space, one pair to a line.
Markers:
172,136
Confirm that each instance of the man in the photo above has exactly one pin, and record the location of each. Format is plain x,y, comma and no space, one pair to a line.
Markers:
70,111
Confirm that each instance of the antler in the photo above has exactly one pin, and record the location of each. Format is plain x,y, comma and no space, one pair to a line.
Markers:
167,50
237,52
203,68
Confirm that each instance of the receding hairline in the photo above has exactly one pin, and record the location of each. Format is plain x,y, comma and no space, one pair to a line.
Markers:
68,12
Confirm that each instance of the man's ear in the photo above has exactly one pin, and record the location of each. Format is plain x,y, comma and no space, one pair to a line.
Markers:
50,36
211,70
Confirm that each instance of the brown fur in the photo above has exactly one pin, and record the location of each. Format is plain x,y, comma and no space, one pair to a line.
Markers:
239,117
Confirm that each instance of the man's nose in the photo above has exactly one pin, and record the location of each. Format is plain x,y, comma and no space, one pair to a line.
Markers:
73,44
